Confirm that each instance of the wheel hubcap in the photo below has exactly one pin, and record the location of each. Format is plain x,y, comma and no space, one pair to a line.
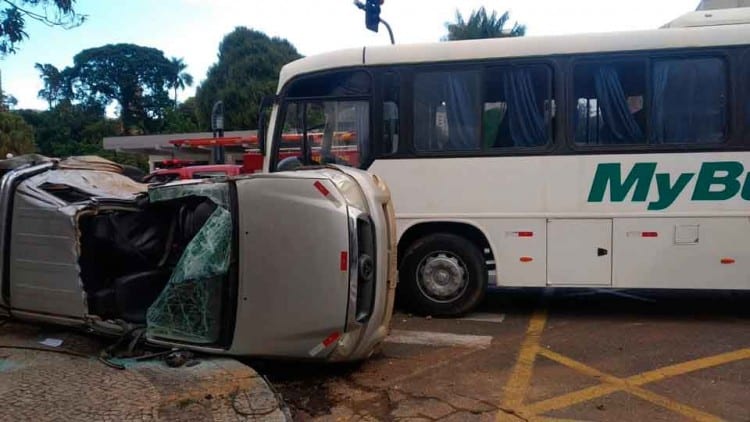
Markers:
442,277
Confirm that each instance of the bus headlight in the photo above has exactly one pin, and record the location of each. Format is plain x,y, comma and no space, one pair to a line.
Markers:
350,190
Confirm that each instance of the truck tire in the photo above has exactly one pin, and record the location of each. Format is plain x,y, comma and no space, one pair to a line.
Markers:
443,274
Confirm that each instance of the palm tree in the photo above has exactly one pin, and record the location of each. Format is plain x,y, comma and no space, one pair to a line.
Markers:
481,25
180,78
53,83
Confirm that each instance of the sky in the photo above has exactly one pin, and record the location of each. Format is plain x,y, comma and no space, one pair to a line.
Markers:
193,29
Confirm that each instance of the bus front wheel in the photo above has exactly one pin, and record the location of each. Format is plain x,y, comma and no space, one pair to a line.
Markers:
443,274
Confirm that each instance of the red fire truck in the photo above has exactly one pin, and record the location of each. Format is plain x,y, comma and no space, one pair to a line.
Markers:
252,160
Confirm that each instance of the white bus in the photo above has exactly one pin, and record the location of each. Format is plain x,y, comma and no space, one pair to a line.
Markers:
604,160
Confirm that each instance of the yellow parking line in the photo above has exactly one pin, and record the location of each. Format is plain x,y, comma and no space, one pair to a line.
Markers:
581,367
673,405
617,384
632,384
689,366
520,378
570,399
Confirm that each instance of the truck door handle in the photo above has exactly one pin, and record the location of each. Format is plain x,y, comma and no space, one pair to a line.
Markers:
601,251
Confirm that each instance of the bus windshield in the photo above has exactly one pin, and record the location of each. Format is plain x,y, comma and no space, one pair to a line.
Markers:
334,129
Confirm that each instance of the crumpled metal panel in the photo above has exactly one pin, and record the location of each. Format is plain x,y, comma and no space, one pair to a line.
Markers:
90,162
44,272
22,160
102,184
189,307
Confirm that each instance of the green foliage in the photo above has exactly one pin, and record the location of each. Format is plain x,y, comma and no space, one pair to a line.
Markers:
136,77
50,12
139,161
56,84
181,120
16,136
247,69
481,25
7,101
70,129
139,80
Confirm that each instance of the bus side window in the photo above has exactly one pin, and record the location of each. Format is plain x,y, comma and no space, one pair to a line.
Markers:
518,107
609,102
447,111
391,104
689,101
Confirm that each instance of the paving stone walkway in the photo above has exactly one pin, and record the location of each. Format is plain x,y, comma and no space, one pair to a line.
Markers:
69,383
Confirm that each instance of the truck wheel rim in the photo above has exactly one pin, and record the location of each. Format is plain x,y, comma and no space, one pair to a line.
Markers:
442,277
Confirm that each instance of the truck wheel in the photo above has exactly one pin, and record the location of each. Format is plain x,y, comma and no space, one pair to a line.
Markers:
443,274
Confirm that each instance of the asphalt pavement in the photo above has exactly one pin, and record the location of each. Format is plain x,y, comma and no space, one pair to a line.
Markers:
531,354
527,354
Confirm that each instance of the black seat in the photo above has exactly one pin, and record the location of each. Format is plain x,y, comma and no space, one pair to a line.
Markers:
134,293
102,303
129,257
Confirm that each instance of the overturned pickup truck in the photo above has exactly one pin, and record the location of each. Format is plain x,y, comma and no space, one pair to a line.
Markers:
295,265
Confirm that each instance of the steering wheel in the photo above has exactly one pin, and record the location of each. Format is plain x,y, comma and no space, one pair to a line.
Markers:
289,163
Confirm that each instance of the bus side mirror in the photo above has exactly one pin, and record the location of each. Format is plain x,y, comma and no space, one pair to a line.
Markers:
266,102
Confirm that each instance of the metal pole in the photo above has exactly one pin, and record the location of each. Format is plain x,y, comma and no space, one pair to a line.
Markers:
217,125
390,32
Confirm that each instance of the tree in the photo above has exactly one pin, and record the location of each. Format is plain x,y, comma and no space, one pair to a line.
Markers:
67,129
481,25
183,119
136,77
56,84
59,13
7,101
247,69
180,78
76,129
16,136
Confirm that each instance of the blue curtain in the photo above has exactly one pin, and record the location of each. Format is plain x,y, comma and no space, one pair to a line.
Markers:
619,124
688,102
446,111
525,119
462,99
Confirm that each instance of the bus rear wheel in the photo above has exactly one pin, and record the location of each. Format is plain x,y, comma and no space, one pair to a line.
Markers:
443,274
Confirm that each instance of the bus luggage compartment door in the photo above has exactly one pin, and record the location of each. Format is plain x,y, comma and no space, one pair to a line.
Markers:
579,252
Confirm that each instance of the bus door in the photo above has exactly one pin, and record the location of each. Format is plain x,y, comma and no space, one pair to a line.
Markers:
579,252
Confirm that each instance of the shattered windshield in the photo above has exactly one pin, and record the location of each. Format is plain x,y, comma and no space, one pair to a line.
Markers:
189,307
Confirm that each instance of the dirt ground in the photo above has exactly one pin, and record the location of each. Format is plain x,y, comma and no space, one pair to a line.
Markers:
545,355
